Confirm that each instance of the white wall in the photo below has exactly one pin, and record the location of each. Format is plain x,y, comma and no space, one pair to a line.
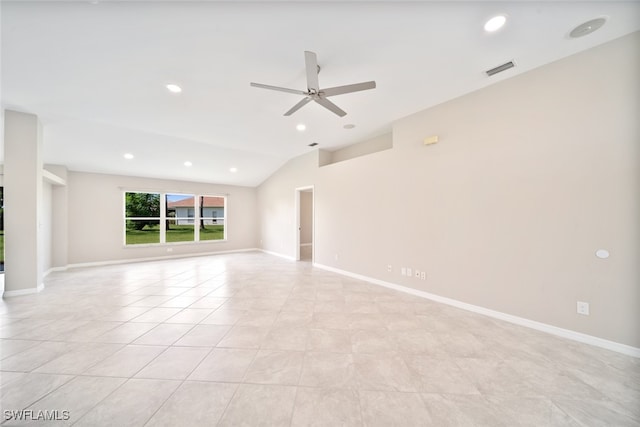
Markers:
373,145
277,203
96,225
531,176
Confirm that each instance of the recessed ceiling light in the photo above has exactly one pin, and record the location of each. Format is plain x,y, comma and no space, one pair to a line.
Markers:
349,126
233,170
301,127
128,156
587,27
495,23
174,88
188,164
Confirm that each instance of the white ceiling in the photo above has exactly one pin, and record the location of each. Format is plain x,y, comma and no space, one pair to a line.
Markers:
95,73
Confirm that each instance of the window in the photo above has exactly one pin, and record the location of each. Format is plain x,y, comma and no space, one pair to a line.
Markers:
212,211
180,227
142,218
156,218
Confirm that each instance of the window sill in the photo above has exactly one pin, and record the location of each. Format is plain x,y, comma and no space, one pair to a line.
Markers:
170,244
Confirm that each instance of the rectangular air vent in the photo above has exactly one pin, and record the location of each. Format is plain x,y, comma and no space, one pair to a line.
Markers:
500,68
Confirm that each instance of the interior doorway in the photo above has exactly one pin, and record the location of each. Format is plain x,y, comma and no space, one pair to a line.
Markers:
304,224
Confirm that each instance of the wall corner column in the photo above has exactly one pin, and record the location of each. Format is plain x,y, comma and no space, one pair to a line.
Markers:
60,225
23,200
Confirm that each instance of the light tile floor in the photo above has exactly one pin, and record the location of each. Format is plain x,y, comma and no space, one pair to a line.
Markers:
250,339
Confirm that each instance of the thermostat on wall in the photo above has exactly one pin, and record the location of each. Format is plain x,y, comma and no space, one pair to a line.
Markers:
431,140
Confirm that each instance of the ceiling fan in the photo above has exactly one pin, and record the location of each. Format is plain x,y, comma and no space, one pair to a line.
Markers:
314,93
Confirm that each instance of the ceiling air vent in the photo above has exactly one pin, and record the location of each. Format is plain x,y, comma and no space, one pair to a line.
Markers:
313,144
500,68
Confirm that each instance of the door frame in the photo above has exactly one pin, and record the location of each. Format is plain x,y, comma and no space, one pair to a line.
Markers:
306,189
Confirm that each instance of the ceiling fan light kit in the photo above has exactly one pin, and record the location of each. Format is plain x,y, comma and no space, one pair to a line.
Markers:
313,92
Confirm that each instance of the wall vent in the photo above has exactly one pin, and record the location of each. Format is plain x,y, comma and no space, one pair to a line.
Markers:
313,144
500,68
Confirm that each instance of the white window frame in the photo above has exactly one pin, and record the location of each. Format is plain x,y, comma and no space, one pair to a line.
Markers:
204,218
179,218
163,218
141,218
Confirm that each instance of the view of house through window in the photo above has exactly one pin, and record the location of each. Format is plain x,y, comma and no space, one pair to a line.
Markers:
179,214
172,217
211,214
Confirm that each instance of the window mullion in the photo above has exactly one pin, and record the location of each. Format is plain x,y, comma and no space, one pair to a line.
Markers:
163,218
196,218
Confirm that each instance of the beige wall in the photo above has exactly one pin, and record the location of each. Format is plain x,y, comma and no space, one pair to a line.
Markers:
96,225
59,217
531,176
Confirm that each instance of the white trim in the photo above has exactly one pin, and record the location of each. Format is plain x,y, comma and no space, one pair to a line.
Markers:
20,292
53,179
543,327
159,258
297,225
162,218
54,269
289,257
169,244
297,232
46,273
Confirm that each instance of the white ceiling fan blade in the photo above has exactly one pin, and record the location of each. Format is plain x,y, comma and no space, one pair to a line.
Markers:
331,106
311,65
281,89
339,90
298,106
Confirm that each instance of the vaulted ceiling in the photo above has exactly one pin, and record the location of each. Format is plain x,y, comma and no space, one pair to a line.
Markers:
95,72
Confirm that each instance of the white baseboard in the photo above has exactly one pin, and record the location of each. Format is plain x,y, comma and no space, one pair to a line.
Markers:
20,292
543,327
290,258
160,258
52,269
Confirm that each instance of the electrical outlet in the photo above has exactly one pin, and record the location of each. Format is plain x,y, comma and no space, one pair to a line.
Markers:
389,268
409,272
423,275
583,308
403,271
417,274
336,257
